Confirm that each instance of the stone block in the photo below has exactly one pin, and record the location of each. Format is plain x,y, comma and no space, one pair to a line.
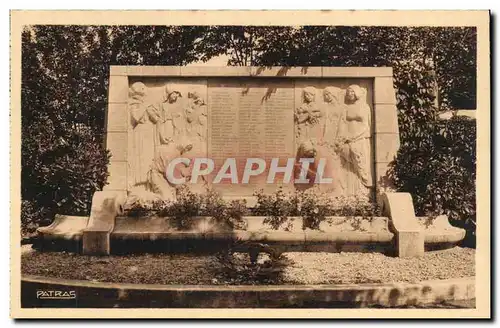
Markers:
410,243
438,230
118,89
65,227
286,71
285,237
350,72
116,142
386,146
409,234
154,70
115,70
215,71
386,118
96,242
353,224
117,117
384,92
117,179
106,206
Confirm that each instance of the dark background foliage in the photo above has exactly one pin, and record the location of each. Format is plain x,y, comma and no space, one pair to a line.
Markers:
64,97
65,73
439,170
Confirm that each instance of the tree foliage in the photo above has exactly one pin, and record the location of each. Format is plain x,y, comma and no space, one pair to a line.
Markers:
65,74
449,51
441,173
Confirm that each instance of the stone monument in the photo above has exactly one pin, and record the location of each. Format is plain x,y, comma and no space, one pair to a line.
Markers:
346,116
237,130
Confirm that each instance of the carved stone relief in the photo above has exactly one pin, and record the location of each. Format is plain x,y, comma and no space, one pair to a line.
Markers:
163,128
338,131
169,119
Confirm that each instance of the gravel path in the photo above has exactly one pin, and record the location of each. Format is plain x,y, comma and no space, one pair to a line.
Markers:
347,268
302,268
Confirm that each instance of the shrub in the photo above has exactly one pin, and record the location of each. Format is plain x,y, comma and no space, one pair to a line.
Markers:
352,206
436,162
240,268
189,204
60,177
33,216
312,206
276,207
227,213
186,206
441,173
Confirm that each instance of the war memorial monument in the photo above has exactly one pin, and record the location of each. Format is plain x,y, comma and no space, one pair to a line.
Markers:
236,130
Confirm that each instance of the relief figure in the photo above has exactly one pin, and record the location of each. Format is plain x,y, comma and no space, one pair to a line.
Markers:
143,119
334,111
170,124
181,131
196,119
157,180
305,150
355,140
308,117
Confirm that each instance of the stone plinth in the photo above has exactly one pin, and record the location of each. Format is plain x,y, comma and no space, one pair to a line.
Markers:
336,234
106,205
410,236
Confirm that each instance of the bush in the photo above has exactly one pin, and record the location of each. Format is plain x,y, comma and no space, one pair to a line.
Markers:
61,177
436,162
226,213
441,173
247,269
312,206
276,207
189,204
33,216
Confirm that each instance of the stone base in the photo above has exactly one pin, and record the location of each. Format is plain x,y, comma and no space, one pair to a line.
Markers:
409,243
63,234
202,235
410,237
105,208
96,242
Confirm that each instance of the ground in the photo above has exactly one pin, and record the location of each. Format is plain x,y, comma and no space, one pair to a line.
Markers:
292,268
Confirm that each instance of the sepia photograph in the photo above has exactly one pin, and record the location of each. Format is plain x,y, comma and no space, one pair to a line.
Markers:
211,160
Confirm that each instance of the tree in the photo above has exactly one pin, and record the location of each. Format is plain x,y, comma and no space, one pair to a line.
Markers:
245,45
448,51
65,74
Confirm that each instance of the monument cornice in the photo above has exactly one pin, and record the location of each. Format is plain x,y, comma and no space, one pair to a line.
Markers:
252,71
